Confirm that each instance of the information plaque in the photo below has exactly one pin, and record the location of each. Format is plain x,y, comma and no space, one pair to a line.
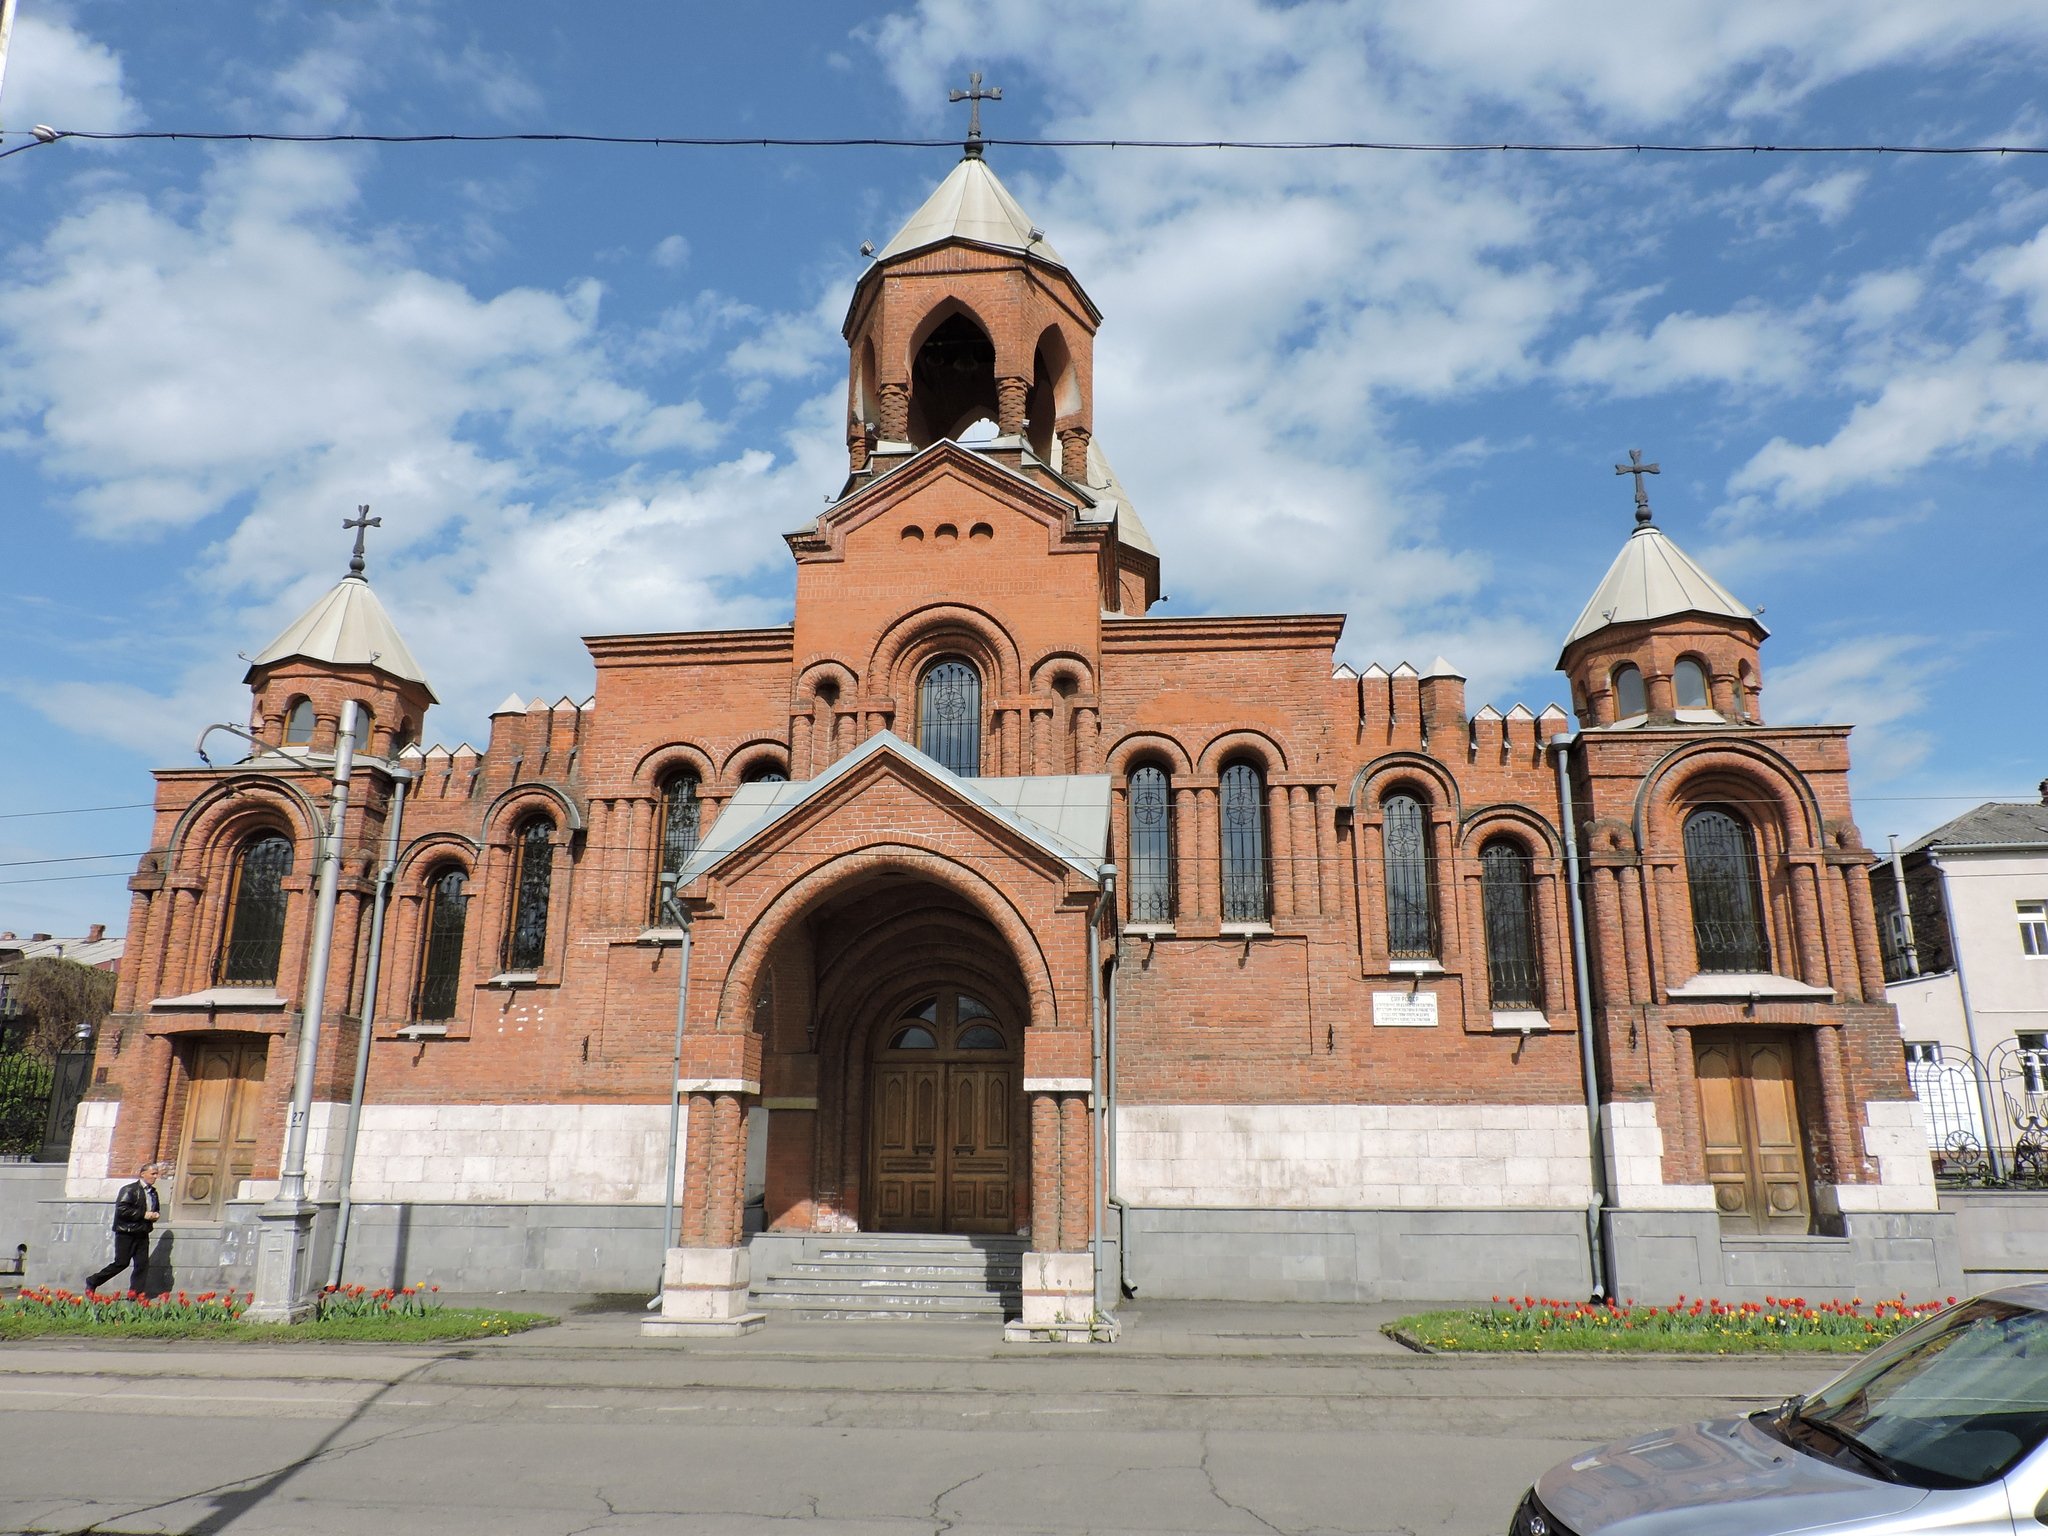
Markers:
1404,1010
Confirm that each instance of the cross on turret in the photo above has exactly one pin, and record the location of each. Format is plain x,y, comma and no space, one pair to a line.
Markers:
975,95
362,522
1635,466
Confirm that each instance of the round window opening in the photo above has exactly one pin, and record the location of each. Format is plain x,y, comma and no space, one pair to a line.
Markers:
915,1038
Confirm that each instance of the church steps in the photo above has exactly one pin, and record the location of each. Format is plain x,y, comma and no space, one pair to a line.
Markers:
883,1275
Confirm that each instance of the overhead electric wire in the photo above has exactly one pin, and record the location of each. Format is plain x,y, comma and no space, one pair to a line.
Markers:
81,810
681,141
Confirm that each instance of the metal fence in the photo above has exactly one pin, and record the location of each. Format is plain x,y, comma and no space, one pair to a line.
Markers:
39,1104
1987,1121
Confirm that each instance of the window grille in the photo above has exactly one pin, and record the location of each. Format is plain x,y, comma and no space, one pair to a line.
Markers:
949,716
1151,857
682,815
1247,883
441,951
526,941
1511,966
256,920
1411,927
1727,905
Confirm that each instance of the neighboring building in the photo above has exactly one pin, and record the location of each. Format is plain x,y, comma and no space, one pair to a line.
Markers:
94,949
1971,986
1337,999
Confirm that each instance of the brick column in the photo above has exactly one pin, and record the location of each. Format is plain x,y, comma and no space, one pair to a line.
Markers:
1010,394
1869,958
1077,1169
895,412
1552,948
1669,908
707,1278
1041,738
1280,828
1087,739
1835,1106
1373,918
1046,1188
1074,454
1208,858
1634,934
1323,809
1307,869
1610,938
800,749
1813,960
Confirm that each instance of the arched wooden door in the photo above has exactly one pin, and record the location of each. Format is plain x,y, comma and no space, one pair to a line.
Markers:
223,1114
944,1119
1749,1113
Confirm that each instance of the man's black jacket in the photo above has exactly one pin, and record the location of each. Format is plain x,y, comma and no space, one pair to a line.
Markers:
131,1208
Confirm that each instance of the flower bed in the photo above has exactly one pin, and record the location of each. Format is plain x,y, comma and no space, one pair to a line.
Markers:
1697,1325
348,1312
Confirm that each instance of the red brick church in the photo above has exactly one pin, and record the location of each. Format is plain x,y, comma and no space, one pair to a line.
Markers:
1034,943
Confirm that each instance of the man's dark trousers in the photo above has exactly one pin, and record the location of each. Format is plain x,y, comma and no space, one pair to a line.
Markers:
129,1248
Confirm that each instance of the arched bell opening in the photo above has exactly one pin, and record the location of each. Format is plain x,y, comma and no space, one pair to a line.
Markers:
952,381
913,1044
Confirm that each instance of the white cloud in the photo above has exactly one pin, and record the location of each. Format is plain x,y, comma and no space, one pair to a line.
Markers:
672,253
60,76
1750,346
1878,682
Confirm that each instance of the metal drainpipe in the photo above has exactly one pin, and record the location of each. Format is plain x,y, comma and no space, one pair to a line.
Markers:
1096,1188
400,779
1905,911
291,1180
1596,1239
1981,1068
1123,1224
673,909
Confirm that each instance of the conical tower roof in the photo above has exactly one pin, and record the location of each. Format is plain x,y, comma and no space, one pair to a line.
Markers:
346,628
1652,578
971,204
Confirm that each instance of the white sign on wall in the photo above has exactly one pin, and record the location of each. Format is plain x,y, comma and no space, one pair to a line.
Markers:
1406,1010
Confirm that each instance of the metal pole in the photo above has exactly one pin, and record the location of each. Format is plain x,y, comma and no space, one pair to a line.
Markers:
400,778
673,911
1588,1066
291,1181
1905,928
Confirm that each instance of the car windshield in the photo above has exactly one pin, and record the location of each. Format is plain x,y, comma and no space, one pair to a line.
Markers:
1949,1404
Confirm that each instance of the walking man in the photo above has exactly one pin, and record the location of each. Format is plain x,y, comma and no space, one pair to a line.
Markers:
135,1215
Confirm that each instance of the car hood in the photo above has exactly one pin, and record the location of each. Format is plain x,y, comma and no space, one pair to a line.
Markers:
1721,1477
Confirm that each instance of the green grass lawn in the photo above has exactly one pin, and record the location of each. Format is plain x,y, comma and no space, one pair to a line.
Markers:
420,1328
1782,1326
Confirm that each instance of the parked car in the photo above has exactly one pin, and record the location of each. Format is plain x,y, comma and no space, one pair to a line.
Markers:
1938,1430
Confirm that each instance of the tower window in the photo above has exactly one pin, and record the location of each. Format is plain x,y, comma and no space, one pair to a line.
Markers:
1411,929
1629,697
1727,899
1511,967
1247,886
441,948
533,878
681,819
256,913
1689,685
298,724
2034,928
949,716
952,382
1151,836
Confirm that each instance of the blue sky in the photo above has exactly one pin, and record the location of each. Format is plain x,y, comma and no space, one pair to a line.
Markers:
588,388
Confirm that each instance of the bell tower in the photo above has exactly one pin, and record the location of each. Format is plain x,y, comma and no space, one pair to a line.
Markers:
969,313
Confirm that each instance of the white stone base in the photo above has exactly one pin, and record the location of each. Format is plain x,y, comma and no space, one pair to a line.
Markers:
1059,1298
704,1294
1104,1330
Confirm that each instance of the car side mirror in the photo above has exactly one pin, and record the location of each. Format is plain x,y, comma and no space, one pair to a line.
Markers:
2041,1510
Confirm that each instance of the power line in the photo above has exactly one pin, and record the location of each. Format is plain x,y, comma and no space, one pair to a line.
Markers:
139,805
43,136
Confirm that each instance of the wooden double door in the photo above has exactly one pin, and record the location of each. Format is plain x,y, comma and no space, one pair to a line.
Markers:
944,1111
1749,1114
223,1113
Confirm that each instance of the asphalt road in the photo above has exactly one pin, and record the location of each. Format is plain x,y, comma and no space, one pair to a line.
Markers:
1203,1419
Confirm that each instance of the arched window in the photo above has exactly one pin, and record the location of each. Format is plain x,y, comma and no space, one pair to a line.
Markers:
1247,889
256,908
1727,899
298,724
441,946
949,716
1151,833
681,820
1411,926
403,738
1629,697
765,773
365,724
533,876
1504,887
1689,685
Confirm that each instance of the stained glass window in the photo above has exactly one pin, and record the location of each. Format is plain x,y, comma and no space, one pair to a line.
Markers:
441,949
1512,972
949,716
526,942
1151,858
1247,887
256,915
1411,929
1727,905
681,817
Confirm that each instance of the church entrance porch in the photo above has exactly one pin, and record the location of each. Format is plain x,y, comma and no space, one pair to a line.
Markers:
944,1109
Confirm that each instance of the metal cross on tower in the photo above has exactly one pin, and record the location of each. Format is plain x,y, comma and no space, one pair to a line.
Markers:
975,96
1635,466
362,522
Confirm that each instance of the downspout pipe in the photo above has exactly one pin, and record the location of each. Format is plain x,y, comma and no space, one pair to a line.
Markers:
1596,1235
291,1179
1109,1100
401,778
1978,1067
1905,927
1097,1189
672,912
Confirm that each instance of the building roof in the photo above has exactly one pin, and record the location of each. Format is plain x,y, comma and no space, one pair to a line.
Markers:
1652,578
1989,825
971,204
102,953
1065,814
346,628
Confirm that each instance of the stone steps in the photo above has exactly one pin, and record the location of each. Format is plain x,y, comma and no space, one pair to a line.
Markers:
886,1275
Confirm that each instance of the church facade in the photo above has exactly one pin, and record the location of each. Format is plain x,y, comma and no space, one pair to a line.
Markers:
979,901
